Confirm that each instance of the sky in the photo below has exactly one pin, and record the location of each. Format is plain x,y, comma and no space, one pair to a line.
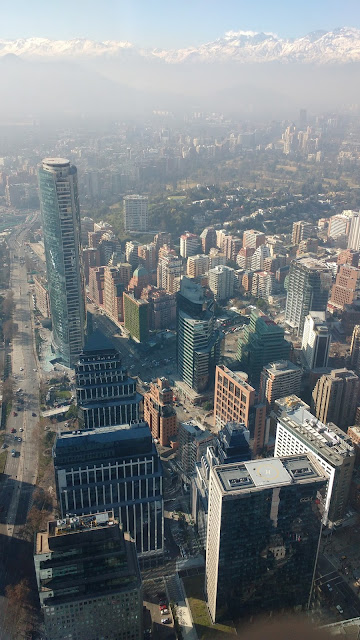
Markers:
171,23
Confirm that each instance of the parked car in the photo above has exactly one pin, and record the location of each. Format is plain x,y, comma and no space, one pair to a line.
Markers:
13,430
165,620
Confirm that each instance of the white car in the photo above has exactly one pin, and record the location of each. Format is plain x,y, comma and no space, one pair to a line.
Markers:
21,368
165,620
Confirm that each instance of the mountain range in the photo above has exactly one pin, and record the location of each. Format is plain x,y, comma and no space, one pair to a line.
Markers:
339,46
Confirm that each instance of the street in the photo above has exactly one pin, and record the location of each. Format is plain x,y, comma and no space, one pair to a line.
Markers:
340,593
20,474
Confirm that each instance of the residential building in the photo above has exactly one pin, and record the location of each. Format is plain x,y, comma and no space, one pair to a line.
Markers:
350,257
334,398
136,215
42,296
262,342
91,258
259,257
244,257
189,244
60,212
208,239
298,432
88,579
197,265
310,245
263,284
355,349
147,256
113,468
316,340
346,288
169,270
354,233
301,231
198,342
253,239
116,279
231,247
136,317
105,394
307,290
279,379
131,253
96,284
221,282
262,536
139,280
339,225
159,411
161,309
216,257
235,401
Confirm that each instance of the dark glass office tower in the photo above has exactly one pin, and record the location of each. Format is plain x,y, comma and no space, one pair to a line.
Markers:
113,468
60,212
262,536
106,396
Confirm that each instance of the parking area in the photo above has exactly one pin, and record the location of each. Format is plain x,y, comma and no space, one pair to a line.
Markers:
154,598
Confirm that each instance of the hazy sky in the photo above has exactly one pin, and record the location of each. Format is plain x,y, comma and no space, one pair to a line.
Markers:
171,23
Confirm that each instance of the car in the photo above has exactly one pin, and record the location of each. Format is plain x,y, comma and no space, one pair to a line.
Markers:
164,612
14,413
329,587
162,607
4,446
21,368
33,414
34,369
21,429
13,430
19,439
26,326
165,620
340,610
13,451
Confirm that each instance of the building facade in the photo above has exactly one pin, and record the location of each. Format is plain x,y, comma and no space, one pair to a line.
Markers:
88,580
136,215
221,282
334,398
262,536
279,379
105,394
60,213
159,411
308,290
136,317
113,468
316,340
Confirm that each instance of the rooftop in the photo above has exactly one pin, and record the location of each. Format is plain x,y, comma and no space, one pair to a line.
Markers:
266,473
311,263
133,431
281,366
328,441
97,341
238,376
72,525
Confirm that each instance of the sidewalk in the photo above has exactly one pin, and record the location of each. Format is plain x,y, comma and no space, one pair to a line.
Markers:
176,593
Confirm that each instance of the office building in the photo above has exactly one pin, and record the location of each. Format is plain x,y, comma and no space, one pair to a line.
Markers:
231,445
60,213
136,317
161,309
193,443
253,239
346,288
302,230
88,580
197,265
262,342
355,349
105,394
334,398
235,402
262,536
198,342
298,432
221,282
42,296
308,290
159,411
136,215
279,379
189,244
316,340
96,285
113,468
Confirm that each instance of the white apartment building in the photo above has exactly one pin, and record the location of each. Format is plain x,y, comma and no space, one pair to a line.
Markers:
222,282
136,213
197,265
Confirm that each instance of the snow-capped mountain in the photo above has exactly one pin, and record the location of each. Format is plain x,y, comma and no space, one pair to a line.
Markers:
338,46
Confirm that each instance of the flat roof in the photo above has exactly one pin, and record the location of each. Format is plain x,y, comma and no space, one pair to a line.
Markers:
105,434
266,473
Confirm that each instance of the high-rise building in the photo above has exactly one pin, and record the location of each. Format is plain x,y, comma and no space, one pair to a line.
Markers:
88,580
216,257
253,239
131,253
198,342
262,536
105,394
42,296
354,233
197,265
350,257
334,398
339,225
96,284
263,342
259,257
113,468
316,340
159,411
161,309
136,317
235,401
279,379
263,284
346,288
193,443
221,282
60,212
231,445
298,432
189,244
308,290
169,270
136,213
208,239
302,230
355,349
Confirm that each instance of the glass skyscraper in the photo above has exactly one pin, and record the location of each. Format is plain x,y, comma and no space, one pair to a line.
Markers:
60,211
